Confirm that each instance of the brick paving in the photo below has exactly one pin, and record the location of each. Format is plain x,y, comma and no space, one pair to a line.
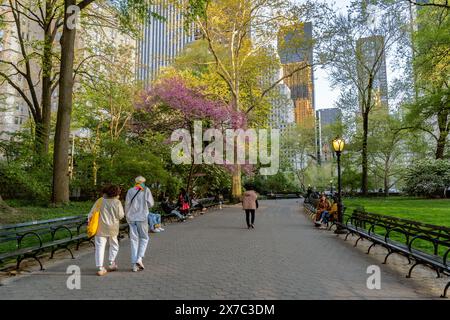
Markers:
214,256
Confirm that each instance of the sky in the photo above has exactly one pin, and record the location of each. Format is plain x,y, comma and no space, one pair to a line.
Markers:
324,96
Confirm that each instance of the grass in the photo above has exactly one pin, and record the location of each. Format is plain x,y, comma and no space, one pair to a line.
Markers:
432,211
30,212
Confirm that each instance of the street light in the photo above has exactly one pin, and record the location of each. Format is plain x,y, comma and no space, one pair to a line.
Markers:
338,147
331,187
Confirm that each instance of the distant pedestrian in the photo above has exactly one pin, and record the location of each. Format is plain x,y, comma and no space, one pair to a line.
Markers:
250,204
138,202
111,212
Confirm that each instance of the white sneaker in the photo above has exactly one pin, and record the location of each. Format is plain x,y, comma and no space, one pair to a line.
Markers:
161,229
156,230
135,268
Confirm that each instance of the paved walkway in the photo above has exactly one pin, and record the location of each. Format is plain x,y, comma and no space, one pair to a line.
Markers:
214,256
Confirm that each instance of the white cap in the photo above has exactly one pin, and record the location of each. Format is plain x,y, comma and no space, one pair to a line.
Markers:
139,179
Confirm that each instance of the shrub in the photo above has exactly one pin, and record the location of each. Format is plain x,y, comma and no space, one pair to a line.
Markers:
428,178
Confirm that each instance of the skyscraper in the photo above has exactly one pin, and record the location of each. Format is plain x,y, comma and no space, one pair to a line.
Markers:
325,118
372,56
282,108
295,51
161,41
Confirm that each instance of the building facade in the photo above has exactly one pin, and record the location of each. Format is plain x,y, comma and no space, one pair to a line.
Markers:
14,111
325,118
371,55
160,41
296,56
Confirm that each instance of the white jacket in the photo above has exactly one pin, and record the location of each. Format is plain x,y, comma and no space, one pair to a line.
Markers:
138,210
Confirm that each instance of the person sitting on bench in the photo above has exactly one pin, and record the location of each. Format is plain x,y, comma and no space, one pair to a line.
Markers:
322,206
330,214
170,209
154,222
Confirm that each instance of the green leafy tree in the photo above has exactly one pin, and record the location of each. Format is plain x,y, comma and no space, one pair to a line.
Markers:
430,112
353,68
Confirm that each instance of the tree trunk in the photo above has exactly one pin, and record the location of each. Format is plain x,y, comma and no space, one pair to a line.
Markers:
386,175
46,99
443,133
364,182
60,192
236,186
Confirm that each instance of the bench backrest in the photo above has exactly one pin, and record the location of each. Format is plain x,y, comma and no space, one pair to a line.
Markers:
412,231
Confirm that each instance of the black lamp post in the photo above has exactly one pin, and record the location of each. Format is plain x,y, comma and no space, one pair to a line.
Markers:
331,187
338,147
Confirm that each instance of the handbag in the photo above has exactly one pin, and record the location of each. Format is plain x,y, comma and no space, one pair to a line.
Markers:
185,206
92,226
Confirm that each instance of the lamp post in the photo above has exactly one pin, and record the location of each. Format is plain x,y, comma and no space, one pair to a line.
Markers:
331,187
338,147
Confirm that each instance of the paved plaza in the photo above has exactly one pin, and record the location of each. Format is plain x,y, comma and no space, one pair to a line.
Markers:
214,256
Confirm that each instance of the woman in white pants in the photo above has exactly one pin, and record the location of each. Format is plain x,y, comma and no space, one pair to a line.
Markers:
111,211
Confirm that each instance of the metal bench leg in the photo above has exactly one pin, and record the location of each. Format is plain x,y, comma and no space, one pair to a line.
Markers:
371,246
19,260
438,273
348,233
387,256
444,295
65,247
411,269
356,243
39,261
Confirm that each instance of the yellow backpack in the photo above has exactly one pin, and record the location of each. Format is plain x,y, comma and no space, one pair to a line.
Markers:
93,222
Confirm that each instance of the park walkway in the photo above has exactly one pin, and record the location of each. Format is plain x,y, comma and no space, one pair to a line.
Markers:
214,256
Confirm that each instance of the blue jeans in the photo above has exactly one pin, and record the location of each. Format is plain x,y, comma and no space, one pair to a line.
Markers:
177,213
325,216
153,218
138,239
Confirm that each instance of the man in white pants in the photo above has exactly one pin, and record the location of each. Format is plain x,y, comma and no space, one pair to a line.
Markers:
138,202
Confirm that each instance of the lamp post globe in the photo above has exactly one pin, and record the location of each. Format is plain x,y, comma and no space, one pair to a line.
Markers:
338,146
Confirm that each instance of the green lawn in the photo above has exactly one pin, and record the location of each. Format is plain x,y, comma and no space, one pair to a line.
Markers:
432,211
27,212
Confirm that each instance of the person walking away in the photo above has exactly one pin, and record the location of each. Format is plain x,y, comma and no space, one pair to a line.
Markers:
250,204
111,212
138,202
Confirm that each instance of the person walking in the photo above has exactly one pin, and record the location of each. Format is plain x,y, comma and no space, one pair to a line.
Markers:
111,211
137,204
250,204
